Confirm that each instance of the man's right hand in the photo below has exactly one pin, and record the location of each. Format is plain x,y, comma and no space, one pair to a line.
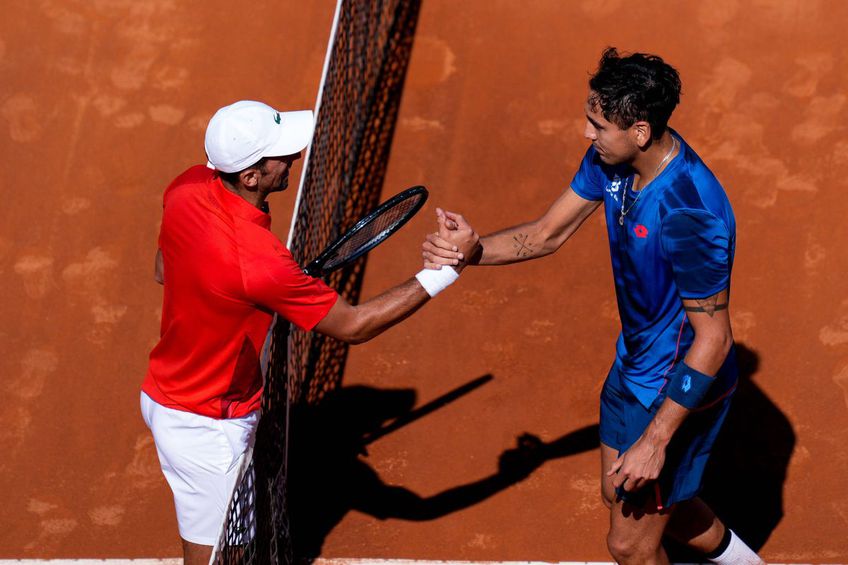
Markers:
454,244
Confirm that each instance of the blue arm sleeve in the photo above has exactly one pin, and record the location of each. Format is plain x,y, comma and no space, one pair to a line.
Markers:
699,247
588,181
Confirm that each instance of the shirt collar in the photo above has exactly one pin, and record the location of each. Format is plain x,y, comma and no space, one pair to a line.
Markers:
240,207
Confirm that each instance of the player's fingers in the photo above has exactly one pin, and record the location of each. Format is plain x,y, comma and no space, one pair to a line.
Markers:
431,265
616,465
439,259
437,241
629,484
445,226
460,221
434,242
618,480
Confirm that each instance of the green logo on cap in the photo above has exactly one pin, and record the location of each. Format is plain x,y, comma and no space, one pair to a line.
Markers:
277,117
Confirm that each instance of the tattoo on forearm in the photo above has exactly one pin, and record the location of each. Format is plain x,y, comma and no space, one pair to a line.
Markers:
711,312
707,305
522,247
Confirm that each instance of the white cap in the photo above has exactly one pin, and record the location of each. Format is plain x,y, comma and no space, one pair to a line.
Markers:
241,134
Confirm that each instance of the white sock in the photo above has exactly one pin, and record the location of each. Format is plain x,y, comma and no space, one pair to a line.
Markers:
737,553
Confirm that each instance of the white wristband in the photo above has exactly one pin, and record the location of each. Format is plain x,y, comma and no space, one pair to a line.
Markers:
435,281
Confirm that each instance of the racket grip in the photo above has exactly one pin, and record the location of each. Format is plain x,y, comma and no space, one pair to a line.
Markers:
435,281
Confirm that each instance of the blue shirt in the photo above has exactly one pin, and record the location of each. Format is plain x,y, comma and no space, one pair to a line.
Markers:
677,241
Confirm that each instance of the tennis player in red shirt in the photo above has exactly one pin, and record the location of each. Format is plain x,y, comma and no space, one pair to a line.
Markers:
225,274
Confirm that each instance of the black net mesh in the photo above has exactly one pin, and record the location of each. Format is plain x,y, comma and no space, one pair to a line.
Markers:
343,178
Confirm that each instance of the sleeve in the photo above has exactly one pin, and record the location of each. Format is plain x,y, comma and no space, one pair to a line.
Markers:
588,180
279,284
698,245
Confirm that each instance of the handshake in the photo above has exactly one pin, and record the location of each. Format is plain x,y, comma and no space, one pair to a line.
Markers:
455,244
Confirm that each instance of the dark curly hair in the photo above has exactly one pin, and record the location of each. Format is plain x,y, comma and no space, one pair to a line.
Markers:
635,87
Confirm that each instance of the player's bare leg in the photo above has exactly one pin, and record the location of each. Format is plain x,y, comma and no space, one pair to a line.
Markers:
196,554
693,523
608,456
635,534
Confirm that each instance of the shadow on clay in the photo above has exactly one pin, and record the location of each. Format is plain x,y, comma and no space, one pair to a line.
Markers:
747,469
330,476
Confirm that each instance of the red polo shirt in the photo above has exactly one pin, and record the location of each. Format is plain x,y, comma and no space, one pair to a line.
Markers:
225,276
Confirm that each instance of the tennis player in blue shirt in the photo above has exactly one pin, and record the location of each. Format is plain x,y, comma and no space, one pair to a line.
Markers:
672,237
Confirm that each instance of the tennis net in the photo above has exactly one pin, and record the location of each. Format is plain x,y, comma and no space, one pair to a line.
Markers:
357,107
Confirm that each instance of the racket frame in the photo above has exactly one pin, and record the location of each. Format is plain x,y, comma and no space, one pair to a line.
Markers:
315,267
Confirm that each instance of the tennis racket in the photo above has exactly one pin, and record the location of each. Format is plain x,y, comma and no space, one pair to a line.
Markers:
369,232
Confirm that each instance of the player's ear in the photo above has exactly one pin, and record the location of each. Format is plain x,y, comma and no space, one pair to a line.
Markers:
250,178
641,133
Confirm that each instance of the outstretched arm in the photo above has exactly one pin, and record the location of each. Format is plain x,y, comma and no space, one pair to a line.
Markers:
713,339
522,242
357,324
383,501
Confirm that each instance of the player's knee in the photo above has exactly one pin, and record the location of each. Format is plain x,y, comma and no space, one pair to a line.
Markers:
629,549
619,547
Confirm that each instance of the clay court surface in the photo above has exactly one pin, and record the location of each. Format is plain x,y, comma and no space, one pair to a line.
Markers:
103,102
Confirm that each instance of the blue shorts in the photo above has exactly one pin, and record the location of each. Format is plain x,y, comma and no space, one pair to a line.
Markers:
623,419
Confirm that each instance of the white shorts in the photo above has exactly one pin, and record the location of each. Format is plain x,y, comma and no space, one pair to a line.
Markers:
200,458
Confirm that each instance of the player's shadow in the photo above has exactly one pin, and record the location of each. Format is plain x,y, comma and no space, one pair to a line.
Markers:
329,474
747,469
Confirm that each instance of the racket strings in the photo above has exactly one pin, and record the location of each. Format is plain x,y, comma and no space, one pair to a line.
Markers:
373,232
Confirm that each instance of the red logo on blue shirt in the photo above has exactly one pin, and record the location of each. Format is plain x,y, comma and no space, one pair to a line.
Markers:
640,231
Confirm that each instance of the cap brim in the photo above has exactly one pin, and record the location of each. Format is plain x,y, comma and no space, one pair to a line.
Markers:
296,133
